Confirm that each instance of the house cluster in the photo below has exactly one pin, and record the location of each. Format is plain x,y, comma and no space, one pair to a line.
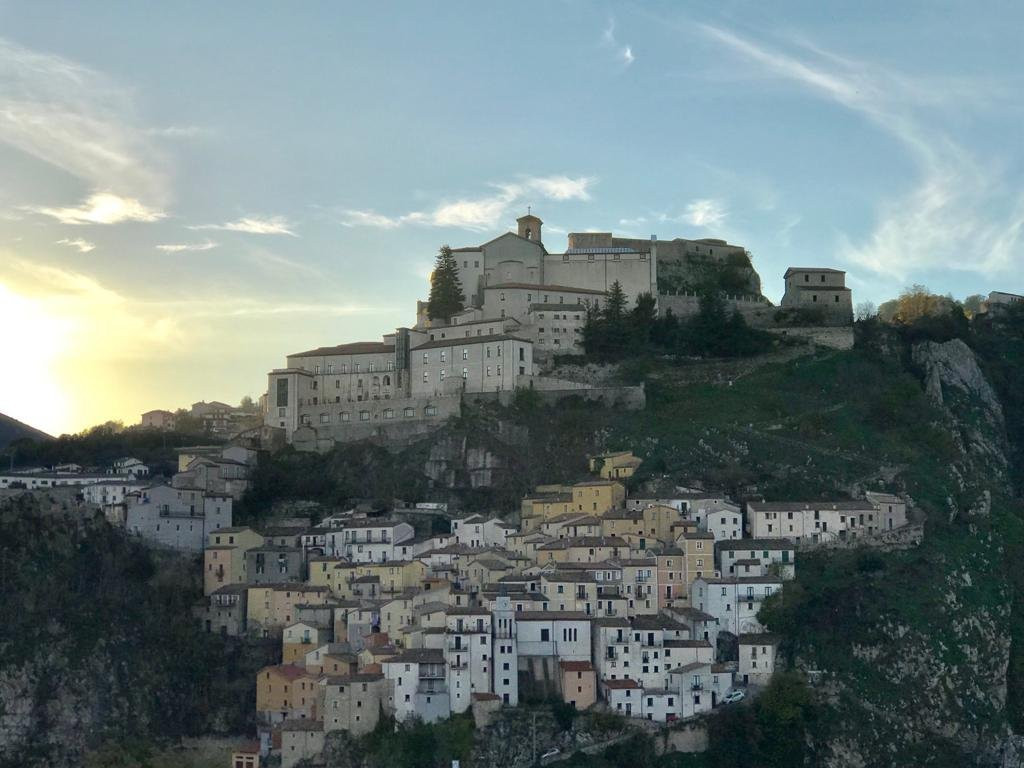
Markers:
217,418
596,597
105,487
197,502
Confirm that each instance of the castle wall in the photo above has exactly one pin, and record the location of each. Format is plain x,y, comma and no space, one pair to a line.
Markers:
635,272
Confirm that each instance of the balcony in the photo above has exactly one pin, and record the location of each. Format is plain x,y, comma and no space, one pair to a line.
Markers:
457,665
431,687
697,687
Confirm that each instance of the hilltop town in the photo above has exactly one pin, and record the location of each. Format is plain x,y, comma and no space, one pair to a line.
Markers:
523,308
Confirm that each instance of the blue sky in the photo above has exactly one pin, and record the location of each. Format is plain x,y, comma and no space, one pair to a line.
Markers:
189,191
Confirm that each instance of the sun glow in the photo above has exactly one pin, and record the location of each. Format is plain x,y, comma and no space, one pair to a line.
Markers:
32,388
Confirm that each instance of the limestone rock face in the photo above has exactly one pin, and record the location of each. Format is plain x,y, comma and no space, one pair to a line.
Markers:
951,365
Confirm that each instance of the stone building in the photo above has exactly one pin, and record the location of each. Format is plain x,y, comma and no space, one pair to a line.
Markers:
820,290
178,518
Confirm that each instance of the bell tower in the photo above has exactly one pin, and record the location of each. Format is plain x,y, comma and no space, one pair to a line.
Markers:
529,227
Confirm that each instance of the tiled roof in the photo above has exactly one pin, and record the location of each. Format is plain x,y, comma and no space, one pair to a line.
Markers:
355,348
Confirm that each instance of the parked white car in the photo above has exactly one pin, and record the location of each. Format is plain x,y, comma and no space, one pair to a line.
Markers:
733,696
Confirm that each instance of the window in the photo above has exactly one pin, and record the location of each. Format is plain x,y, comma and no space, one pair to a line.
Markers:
488,370
346,416
316,369
364,415
502,296
389,413
426,377
465,373
409,413
444,356
426,357
430,410
324,418
280,411
465,354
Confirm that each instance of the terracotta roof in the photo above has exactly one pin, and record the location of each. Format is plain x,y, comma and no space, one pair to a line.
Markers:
620,684
289,671
355,348
791,270
576,666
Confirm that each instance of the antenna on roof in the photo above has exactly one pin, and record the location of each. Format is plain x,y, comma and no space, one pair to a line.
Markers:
528,209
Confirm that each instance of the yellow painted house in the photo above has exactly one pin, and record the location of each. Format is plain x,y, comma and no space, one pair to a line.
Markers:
543,505
224,557
300,638
272,606
585,549
615,466
596,497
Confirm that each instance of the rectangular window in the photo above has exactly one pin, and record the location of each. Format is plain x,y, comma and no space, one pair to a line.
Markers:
282,392
465,354
364,415
346,416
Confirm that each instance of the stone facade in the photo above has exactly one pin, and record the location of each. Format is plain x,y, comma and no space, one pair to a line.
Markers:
820,290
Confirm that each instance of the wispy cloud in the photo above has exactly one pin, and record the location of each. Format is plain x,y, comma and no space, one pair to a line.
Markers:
83,246
254,225
78,120
624,53
482,213
705,213
180,247
101,208
957,215
180,132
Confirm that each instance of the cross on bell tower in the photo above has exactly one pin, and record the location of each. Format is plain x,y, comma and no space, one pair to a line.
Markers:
529,226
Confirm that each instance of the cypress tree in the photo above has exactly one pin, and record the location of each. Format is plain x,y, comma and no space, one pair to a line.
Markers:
446,297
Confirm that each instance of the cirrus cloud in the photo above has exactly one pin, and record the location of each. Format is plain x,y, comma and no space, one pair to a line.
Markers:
83,246
180,247
254,225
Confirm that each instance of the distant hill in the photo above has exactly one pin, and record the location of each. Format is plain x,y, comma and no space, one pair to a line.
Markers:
12,429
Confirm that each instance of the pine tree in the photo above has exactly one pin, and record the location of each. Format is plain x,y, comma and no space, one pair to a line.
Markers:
616,326
446,297
644,318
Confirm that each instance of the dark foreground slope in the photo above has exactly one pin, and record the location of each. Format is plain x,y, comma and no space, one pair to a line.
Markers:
98,645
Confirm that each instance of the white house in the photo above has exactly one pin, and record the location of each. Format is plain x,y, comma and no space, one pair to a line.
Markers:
368,540
179,518
811,521
725,524
418,685
564,635
734,601
130,466
776,556
757,657
468,653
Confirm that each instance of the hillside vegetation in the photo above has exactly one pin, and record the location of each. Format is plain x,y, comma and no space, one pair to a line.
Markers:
99,648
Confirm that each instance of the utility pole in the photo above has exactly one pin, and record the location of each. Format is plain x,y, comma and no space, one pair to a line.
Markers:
534,737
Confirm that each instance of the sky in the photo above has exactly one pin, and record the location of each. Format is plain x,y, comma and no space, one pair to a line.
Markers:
191,191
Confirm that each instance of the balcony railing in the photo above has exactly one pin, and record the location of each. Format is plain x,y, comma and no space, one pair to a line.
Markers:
454,664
